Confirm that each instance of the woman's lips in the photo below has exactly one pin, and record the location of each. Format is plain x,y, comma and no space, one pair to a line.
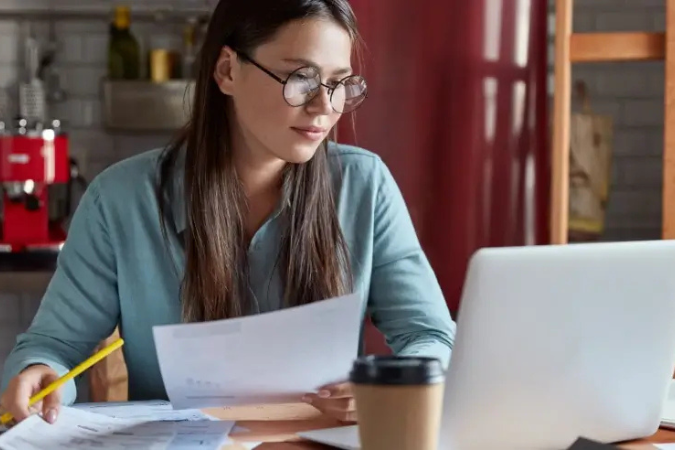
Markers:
311,133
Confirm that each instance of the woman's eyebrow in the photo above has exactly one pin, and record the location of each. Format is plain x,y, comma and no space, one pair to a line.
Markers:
306,62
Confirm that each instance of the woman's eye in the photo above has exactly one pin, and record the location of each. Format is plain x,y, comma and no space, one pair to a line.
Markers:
302,76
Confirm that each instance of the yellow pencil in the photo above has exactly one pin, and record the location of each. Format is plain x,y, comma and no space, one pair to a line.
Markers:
69,376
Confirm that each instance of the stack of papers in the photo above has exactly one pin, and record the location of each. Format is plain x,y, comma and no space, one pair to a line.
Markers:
81,429
154,410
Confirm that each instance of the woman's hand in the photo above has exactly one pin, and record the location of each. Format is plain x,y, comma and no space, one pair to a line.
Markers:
28,383
335,400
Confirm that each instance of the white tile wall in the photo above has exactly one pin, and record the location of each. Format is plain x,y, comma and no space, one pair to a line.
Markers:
81,62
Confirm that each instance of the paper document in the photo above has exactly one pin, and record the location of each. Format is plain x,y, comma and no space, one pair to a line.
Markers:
78,429
273,357
153,410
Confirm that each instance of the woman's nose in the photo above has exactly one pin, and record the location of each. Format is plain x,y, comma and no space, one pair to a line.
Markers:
321,102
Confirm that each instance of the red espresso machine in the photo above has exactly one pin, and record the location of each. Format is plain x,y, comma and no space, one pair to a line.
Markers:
32,160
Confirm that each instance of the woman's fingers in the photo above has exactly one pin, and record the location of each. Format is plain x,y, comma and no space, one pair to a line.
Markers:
22,387
52,403
17,396
338,404
343,409
338,390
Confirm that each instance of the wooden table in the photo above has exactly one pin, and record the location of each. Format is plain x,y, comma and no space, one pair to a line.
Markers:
277,426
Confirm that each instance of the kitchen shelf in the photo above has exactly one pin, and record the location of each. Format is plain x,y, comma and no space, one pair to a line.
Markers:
145,105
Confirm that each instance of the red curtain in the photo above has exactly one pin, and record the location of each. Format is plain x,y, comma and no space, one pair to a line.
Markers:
457,109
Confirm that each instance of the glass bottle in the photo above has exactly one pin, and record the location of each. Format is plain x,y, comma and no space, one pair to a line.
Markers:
123,49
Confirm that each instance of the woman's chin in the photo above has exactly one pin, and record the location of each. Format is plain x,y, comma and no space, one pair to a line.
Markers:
300,154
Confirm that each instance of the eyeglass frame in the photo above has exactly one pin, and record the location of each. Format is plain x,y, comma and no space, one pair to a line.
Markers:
280,80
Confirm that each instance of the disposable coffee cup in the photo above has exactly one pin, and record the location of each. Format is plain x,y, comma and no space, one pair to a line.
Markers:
398,402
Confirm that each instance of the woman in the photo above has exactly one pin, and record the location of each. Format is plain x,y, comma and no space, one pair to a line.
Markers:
251,210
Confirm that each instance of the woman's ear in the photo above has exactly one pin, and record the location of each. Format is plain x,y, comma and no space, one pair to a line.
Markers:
225,69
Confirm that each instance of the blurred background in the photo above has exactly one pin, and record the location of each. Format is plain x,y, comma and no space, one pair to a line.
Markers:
459,107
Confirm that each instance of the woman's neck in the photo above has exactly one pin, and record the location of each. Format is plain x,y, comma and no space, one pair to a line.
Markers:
261,177
258,170
262,187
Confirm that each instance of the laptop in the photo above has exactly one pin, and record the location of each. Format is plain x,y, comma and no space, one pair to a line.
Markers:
555,343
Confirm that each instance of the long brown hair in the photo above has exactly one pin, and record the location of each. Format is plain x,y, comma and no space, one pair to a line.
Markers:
313,259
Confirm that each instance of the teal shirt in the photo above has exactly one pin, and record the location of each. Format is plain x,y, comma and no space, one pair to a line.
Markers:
116,268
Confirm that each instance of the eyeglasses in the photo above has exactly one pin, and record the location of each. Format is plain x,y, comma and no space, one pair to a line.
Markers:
303,84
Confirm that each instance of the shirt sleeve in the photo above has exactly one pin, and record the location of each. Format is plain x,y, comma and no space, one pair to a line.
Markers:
80,307
405,302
